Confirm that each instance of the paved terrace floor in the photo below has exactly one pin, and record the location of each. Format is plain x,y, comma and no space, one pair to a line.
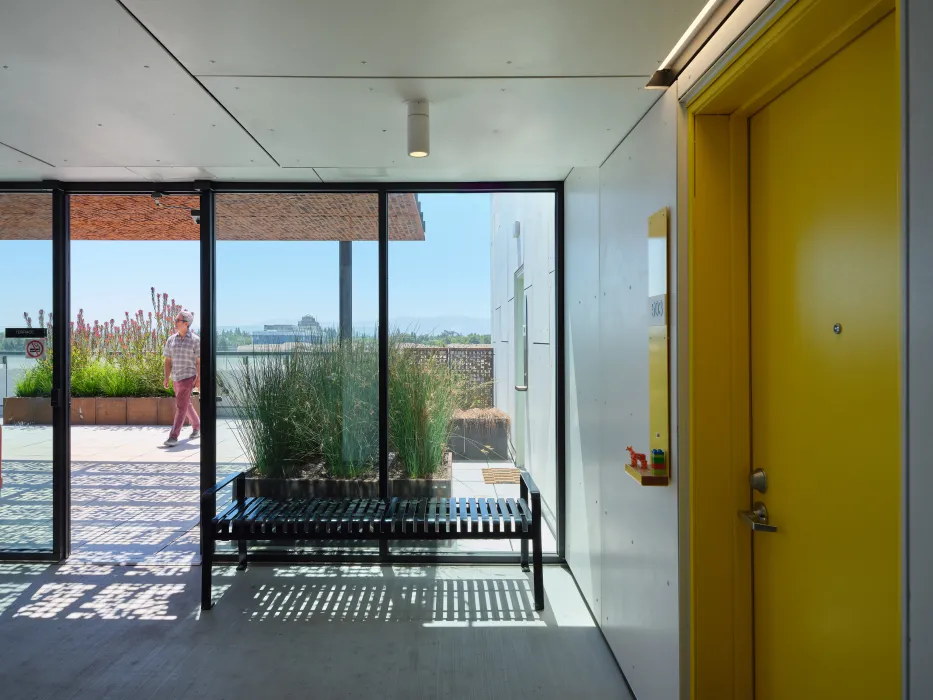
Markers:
136,502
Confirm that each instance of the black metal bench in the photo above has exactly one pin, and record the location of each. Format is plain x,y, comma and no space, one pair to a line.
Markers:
268,519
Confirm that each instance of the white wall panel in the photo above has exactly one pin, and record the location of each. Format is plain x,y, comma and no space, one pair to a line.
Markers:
535,214
632,566
583,381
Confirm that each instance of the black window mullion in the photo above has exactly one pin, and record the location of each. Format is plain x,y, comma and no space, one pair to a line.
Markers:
208,237
61,375
383,353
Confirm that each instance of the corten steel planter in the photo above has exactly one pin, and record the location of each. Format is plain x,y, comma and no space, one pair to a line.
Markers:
19,410
43,412
142,411
166,410
83,411
23,410
111,411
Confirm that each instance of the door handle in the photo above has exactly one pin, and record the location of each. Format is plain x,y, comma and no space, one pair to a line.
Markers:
521,388
757,518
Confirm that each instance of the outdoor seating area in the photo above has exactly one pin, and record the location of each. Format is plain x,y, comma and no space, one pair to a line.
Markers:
271,519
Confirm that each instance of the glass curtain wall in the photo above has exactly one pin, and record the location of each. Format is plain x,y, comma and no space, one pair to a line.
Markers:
472,353
297,351
26,521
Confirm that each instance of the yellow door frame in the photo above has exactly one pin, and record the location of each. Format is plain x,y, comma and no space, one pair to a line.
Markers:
804,35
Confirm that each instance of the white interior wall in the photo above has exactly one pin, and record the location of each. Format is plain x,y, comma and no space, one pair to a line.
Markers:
583,409
535,214
630,569
917,24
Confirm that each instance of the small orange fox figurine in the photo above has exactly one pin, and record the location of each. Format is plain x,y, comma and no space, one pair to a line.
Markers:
639,461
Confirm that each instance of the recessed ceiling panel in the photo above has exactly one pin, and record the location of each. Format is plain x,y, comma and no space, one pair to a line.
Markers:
492,172
265,174
83,84
36,171
405,38
478,124
11,159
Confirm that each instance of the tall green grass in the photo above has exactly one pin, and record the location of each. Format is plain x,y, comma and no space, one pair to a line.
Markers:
423,395
315,404
272,425
37,382
97,378
320,404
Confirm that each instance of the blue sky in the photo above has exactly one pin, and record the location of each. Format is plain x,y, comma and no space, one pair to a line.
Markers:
442,280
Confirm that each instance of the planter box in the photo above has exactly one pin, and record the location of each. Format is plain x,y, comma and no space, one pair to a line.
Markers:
111,411
26,410
479,440
142,411
94,411
43,412
166,410
285,489
83,411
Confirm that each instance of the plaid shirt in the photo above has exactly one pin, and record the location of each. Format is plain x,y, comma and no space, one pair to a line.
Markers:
185,352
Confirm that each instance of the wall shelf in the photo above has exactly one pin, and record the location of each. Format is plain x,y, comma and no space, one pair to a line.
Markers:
645,478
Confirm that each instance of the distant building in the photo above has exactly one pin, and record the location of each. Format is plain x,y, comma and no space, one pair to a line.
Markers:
307,331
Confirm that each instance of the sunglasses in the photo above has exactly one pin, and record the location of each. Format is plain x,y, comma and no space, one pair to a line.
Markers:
180,320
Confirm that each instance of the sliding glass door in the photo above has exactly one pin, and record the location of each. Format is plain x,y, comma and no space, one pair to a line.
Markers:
28,380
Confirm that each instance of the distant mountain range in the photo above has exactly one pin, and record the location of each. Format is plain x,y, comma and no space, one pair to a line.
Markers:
430,325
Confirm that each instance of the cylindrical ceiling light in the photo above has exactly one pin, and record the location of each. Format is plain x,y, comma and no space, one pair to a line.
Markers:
419,130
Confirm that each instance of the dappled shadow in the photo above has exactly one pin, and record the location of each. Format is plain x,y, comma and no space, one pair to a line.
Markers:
122,511
83,592
325,631
311,594
380,594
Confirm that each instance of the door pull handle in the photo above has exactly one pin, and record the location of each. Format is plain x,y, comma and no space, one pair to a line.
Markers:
757,518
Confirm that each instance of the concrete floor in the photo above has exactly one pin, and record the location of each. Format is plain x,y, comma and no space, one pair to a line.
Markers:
97,632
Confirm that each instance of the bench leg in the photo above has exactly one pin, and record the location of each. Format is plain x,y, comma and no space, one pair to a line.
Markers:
241,551
207,562
523,494
538,573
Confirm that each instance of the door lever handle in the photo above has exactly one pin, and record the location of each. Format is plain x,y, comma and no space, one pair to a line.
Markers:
757,518
521,388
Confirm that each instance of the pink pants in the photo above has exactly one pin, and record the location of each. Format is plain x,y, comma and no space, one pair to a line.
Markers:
183,407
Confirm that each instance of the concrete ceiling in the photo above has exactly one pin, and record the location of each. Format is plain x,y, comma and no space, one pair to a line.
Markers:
314,90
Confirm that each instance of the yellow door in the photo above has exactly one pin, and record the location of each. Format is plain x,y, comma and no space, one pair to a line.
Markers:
825,355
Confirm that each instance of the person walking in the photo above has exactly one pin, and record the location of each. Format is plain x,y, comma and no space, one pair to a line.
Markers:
183,367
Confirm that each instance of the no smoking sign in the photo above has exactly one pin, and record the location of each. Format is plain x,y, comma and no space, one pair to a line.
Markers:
35,349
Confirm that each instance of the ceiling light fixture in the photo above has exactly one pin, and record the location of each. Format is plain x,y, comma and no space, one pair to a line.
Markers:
664,76
419,130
